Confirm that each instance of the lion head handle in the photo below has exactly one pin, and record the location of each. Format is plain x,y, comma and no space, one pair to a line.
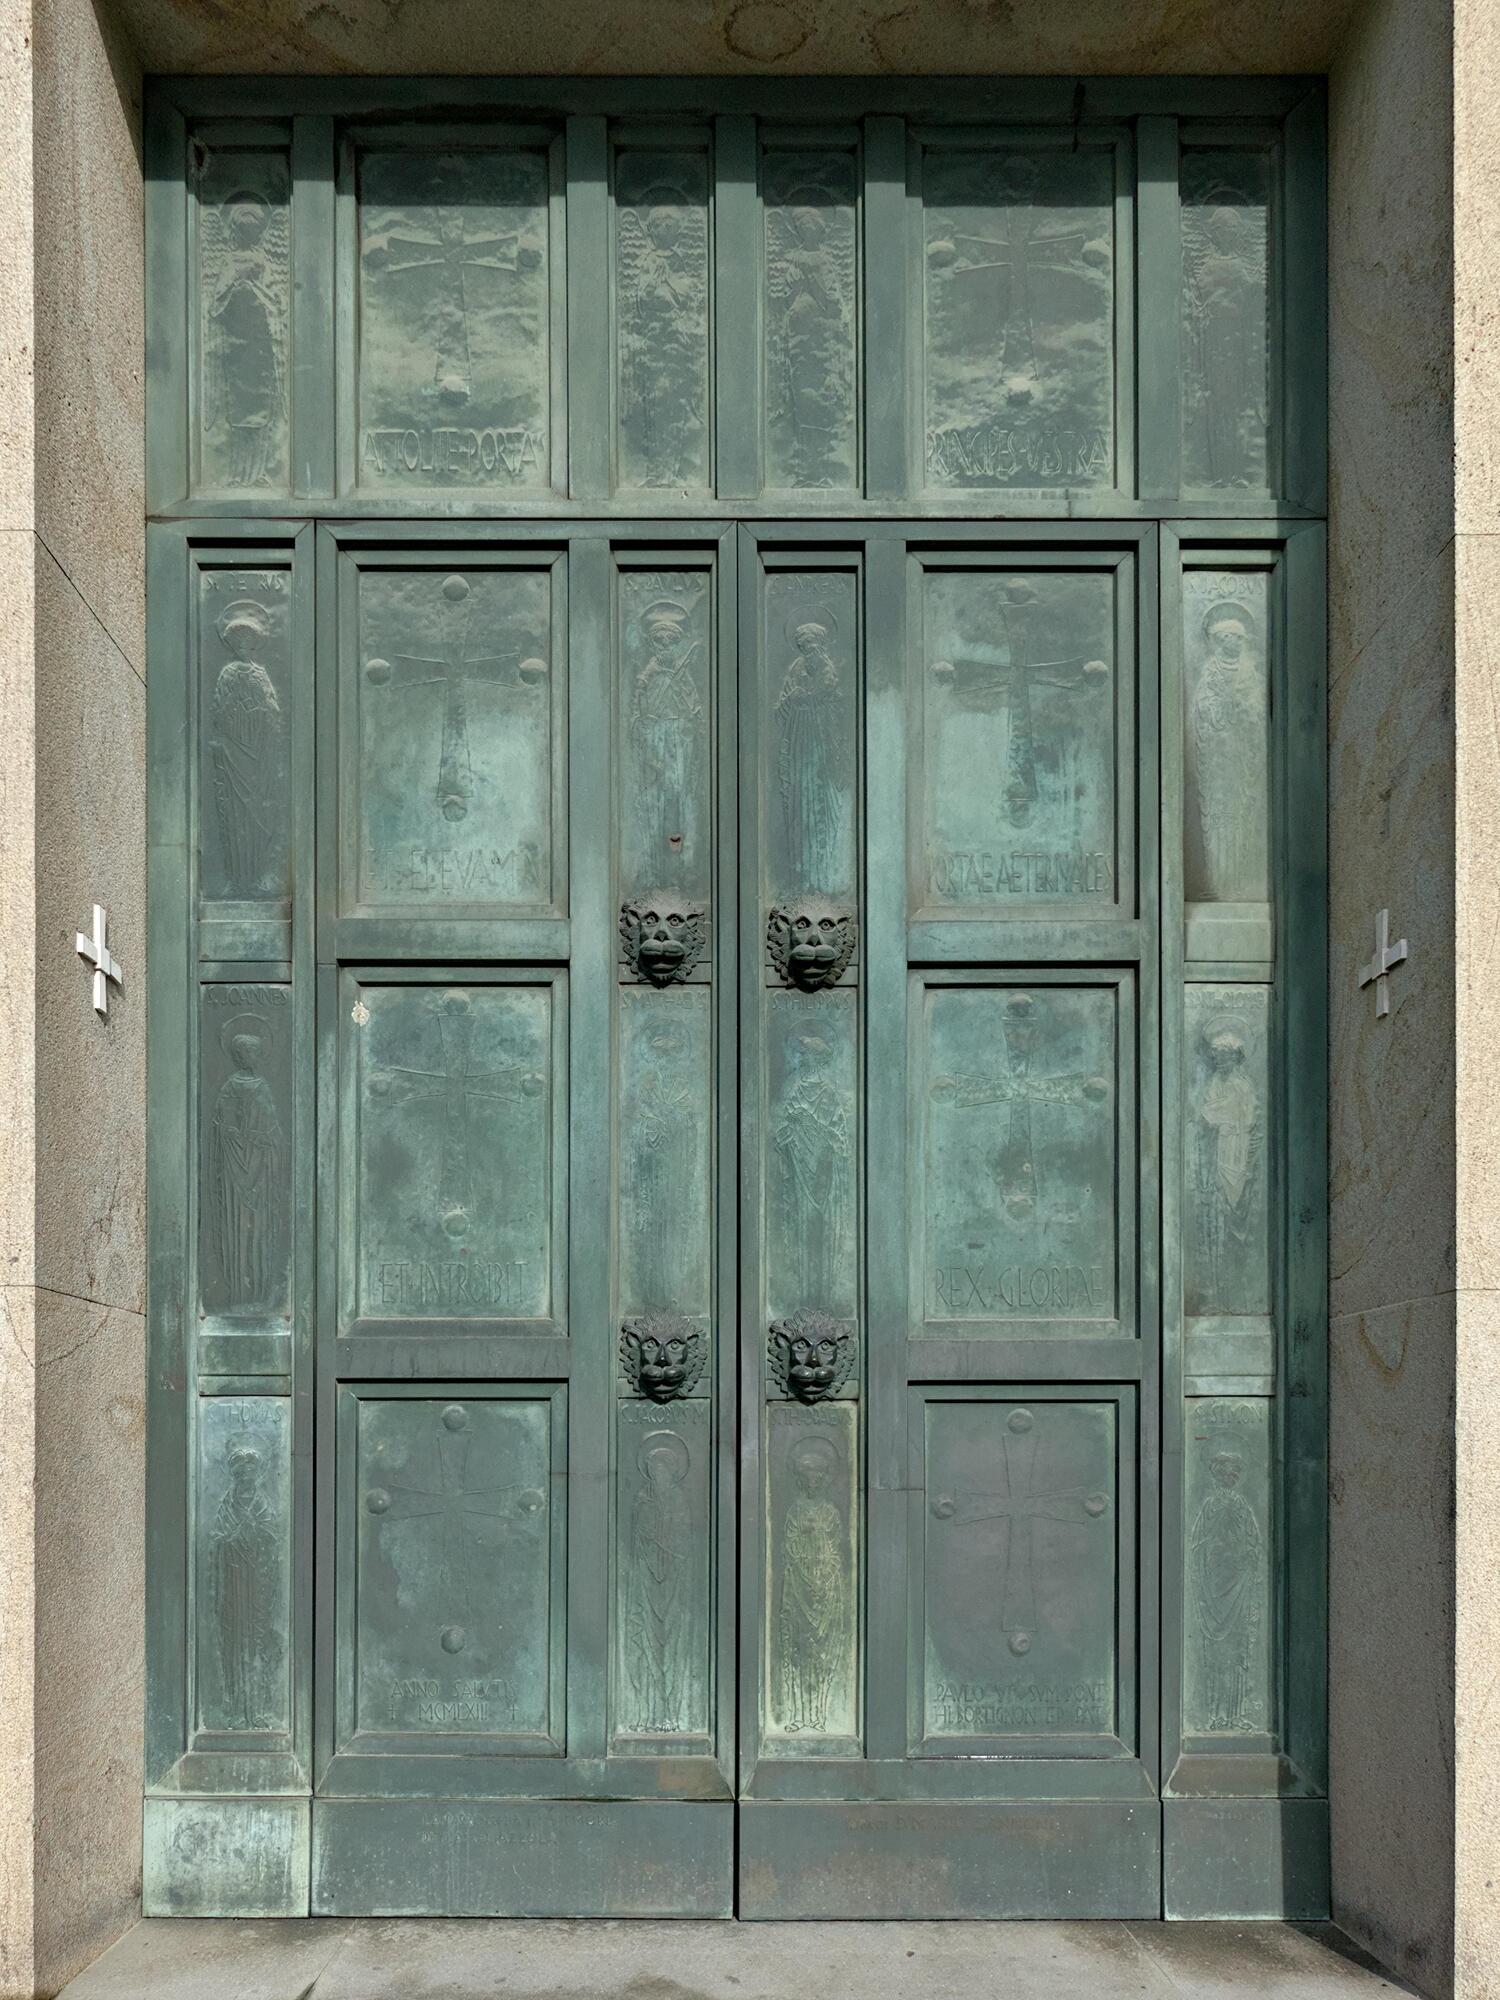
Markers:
811,1355
811,942
663,935
663,1355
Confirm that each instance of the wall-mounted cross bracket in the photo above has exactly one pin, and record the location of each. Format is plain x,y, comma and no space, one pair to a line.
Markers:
1386,955
96,950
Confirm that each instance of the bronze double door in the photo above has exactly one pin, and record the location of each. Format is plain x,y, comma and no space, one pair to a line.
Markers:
738,1220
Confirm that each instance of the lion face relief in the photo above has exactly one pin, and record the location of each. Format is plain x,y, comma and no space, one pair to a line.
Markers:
663,936
811,1355
663,1355
811,942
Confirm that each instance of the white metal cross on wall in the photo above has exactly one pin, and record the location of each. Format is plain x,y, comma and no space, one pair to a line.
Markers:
1386,955
96,950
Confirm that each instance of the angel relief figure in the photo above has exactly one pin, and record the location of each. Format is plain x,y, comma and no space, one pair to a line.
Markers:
245,334
810,277
663,335
1226,386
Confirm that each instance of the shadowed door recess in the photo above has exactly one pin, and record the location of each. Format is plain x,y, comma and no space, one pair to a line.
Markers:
737,877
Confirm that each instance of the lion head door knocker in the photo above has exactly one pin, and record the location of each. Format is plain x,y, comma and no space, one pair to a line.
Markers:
811,942
663,935
663,1355
811,1355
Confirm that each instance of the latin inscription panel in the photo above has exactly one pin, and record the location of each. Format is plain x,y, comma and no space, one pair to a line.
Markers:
1020,693
1018,317
242,329
455,285
451,1101
1019,1571
457,740
454,1581
245,1157
242,1592
1020,1158
661,1680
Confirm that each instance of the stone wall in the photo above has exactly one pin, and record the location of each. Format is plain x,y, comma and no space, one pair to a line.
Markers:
72,1148
1415,805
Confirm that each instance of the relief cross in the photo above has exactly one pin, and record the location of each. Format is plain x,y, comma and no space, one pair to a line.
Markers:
1008,674
1013,258
456,1087
454,1502
452,256
1021,1505
451,670
1015,1166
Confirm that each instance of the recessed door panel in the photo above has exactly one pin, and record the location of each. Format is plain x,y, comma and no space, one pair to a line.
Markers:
456,287
457,1584
445,1082
454,744
1020,1566
1024,1159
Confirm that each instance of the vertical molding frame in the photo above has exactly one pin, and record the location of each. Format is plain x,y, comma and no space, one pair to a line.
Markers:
166,319
1304,304
737,393
884,267
1272,1812
1158,226
315,269
590,400
214,1810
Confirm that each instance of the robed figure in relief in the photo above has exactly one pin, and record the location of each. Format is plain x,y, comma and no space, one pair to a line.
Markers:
246,1154
812,1603
1225,1556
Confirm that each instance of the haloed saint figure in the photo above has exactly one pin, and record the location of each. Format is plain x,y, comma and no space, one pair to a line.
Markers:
247,1151
244,747
812,1608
